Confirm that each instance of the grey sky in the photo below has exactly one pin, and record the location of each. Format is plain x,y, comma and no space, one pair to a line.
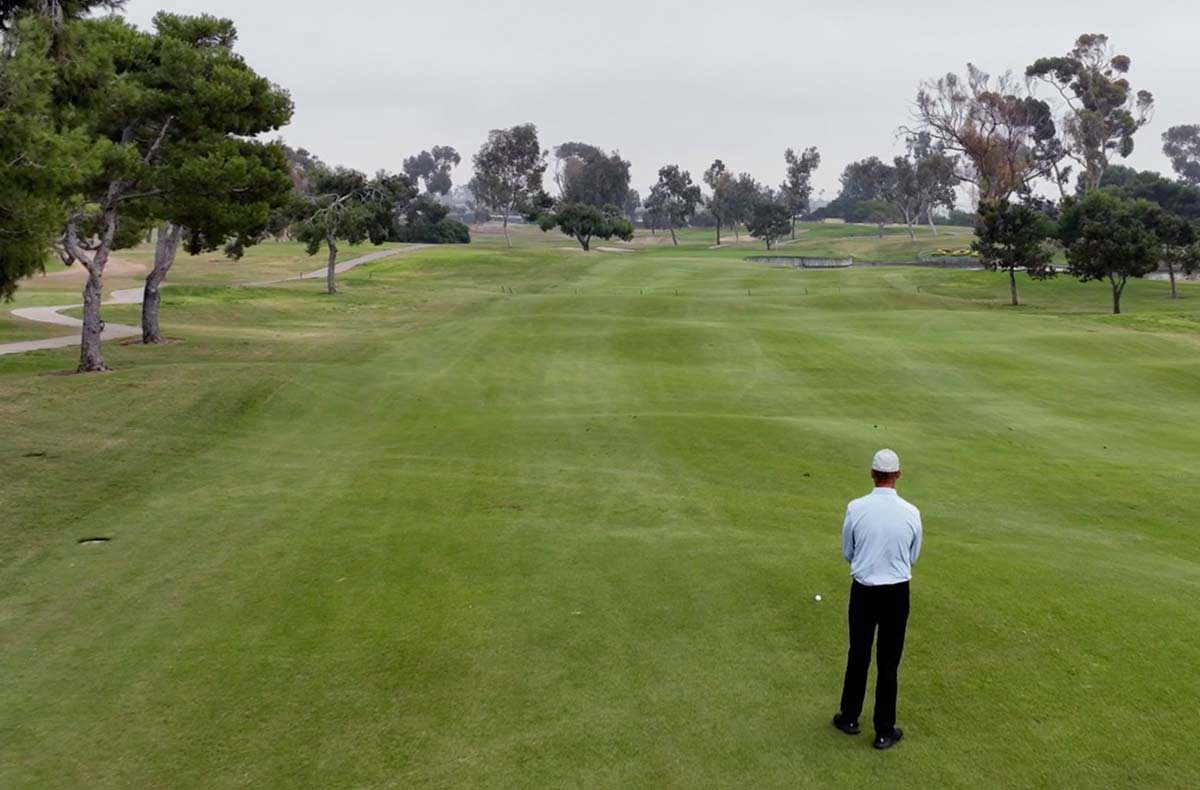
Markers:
665,81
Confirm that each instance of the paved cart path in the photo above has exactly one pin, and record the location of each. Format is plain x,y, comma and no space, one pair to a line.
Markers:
53,315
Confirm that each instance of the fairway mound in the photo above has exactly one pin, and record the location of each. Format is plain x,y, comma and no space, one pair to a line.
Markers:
803,263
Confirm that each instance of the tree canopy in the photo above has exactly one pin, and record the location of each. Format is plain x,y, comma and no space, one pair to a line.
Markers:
583,222
586,175
508,170
1110,237
770,217
1102,111
797,186
1181,144
1011,236
1004,138
433,168
674,197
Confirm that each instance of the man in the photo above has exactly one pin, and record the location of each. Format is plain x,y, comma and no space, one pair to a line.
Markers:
881,538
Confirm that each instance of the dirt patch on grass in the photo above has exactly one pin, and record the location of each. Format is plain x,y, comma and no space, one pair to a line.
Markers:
116,267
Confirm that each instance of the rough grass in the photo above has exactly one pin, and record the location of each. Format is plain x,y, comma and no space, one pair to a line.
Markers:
543,519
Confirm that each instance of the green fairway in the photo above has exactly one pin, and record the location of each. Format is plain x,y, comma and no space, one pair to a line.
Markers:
540,518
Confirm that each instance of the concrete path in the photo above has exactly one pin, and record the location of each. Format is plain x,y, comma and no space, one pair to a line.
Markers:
54,316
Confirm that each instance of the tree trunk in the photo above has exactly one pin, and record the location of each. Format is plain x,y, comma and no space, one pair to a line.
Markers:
793,227
912,232
1171,273
1012,285
674,240
91,360
718,233
585,242
164,258
330,271
1118,285
737,233
932,225
507,238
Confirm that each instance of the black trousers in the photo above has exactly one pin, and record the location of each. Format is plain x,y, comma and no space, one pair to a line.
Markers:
884,608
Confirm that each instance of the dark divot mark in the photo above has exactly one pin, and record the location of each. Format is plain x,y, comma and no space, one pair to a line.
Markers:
93,541
34,455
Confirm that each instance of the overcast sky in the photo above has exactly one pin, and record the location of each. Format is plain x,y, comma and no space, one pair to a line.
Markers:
670,81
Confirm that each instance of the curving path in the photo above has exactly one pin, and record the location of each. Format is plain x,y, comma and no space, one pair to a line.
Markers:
53,315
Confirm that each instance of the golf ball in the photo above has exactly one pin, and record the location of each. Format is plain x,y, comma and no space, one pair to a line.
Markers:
816,597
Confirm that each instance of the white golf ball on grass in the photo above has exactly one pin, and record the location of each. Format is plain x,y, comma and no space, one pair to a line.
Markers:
817,597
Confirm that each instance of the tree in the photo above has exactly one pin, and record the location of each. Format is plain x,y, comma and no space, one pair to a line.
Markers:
743,194
677,197
797,188
433,168
347,207
1110,237
1004,140
631,204
143,101
1175,197
877,212
1179,246
1011,236
1102,111
721,183
1181,144
57,12
215,188
509,169
425,220
583,223
770,217
36,160
585,174
862,182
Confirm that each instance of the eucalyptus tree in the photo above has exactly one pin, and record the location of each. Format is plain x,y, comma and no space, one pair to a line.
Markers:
920,182
1181,144
631,204
742,195
719,203
1004,138
143,101
587,175
797,187
508,170
433,168
675,196
1102,110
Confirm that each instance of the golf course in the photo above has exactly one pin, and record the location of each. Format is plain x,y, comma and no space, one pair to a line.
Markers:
535,517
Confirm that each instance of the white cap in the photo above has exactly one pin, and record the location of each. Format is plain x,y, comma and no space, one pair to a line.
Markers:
885,461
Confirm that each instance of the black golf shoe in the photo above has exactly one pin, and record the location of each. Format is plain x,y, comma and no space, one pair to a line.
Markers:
848,727
888,741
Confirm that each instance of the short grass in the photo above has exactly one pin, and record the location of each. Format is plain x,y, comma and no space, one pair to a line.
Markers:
535,518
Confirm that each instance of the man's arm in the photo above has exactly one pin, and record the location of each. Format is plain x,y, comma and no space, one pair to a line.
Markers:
915,548
848,538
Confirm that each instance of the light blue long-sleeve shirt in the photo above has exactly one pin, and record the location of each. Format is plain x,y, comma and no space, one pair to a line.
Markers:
881,538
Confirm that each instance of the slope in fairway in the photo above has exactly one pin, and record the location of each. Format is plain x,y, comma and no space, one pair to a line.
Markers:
541,519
